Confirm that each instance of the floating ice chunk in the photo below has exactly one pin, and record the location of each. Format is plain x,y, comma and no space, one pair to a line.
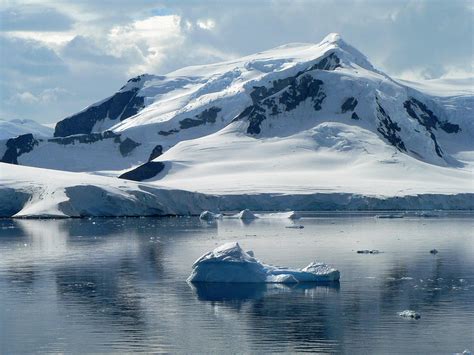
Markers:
209,216
365,251
429,214
409,314
389,216
295,227
245,215
280,215
230,263
294,215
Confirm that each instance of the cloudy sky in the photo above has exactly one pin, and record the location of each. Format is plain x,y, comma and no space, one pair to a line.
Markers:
56,57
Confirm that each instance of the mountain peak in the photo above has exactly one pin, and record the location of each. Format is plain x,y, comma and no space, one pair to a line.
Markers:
332,38
350,53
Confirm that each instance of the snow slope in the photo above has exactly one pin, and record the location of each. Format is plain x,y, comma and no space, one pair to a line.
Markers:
33,192
329,158
15,128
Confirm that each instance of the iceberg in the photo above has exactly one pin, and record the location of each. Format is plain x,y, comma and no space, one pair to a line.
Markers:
389,216
366,251
280,215
209,216
230,263
409,314
246,214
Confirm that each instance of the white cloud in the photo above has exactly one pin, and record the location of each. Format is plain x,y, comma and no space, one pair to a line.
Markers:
46,96
454,72
53,94
207,24
100,44
147,42
24,97
51,39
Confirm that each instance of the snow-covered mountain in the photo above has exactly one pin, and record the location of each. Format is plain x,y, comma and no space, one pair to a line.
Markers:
17,127
297,119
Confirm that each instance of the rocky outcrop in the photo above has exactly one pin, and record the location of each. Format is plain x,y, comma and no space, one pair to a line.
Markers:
18,146
144,172
156,152
389,129
120,106
207,116
425,117
26,143
127,146
419,111
349,104
286,94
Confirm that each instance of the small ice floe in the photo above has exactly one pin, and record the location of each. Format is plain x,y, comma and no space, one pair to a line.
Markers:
366,251
465,352
280,215
429,214
390,216
295,227
230,263
409,314
244,215
433,251
293,215
209,216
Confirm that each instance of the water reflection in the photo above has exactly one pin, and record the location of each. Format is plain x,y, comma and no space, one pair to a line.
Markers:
119,285
242,292
298,317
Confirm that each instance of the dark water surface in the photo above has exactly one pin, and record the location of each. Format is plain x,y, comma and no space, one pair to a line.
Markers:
118,285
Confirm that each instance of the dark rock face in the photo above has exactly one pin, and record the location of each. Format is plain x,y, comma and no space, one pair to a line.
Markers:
18,146
207,116
156,152
295,91
418,110
120,106
167,133
127,146
354,116
331,62
349,105
139,78
388,129
26,143
287,93
86,138
144,172
291,92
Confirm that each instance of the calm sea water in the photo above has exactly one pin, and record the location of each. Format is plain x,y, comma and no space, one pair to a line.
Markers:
118,285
